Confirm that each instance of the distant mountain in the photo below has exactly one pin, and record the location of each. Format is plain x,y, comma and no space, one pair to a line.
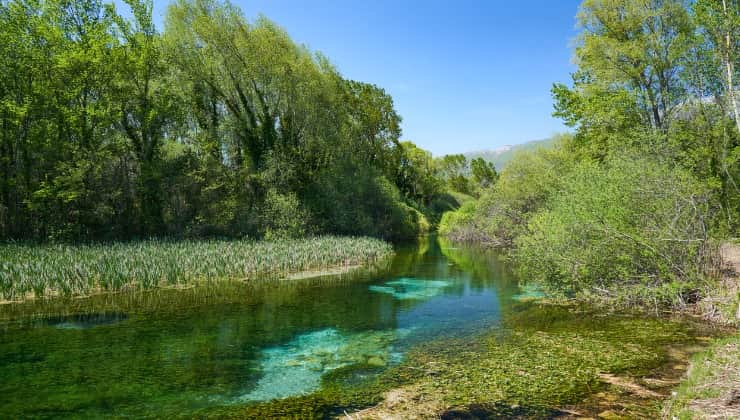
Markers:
502,155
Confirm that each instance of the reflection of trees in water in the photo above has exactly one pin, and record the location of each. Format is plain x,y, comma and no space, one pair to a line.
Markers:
194,346
177,346
486,268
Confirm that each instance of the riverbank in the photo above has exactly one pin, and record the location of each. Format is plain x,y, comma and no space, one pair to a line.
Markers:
42,271
710,387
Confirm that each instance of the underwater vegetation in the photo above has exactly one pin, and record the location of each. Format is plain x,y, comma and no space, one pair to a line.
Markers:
408,288
544,358
529,292
50,270
297,367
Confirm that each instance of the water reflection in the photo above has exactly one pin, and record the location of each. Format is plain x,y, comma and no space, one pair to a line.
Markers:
182,350
84,321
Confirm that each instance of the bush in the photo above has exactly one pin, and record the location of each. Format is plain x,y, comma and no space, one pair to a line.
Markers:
460,225
283,216
358,201
503,211
629,227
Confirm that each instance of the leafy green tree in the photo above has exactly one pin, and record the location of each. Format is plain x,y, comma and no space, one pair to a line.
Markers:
147,106
417,176
483,173
719,22
640,45
217,126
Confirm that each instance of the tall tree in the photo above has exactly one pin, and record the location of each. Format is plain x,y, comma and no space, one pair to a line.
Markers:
719,21
638,45
146,105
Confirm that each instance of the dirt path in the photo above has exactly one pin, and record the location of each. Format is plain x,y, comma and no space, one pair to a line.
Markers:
731,257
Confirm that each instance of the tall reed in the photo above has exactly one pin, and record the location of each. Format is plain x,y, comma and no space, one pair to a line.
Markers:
46,270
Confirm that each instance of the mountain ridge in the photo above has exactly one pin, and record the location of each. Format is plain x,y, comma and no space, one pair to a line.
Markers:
502,155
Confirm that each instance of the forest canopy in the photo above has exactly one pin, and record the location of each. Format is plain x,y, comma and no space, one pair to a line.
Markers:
216,125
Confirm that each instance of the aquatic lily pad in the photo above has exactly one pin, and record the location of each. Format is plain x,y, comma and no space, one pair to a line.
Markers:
409,288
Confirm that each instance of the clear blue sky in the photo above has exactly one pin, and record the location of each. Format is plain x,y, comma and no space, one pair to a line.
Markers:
465,75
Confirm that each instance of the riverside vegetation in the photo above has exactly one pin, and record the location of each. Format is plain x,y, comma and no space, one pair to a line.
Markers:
634,205
222,127
48,270
633,208
215,126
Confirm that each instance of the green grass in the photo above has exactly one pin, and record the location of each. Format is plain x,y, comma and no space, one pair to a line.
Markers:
34,271
713,375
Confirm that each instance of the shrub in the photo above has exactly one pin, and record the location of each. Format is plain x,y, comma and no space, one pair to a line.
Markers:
625,227
283,216
359,201
502,212
460,225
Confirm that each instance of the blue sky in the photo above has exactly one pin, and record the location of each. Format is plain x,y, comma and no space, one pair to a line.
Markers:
465,75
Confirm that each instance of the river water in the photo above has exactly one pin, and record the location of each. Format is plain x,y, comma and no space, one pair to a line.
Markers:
187,352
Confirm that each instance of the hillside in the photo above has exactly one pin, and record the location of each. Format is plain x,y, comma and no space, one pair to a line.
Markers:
501,156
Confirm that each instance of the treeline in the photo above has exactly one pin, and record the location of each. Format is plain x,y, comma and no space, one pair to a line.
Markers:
217,126
632,205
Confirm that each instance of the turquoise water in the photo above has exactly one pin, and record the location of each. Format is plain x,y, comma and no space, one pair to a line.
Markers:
171,353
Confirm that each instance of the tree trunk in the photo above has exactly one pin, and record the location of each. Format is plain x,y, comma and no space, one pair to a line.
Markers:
730,70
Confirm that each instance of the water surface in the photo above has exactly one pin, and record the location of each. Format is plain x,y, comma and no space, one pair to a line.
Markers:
170,353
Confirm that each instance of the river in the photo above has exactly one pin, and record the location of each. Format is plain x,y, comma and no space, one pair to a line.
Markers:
273,345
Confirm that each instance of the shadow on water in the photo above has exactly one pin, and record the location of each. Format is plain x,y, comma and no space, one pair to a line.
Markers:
85,320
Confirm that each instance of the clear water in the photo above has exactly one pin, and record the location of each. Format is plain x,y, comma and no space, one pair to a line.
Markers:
258,344
176,353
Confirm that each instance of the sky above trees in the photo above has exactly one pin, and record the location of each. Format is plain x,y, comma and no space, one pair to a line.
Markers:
464,75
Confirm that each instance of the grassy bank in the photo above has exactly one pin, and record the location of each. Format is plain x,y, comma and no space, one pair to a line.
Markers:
710,388
34,271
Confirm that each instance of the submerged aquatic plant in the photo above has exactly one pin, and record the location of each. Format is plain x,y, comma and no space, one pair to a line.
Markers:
297,367
49,270
411,289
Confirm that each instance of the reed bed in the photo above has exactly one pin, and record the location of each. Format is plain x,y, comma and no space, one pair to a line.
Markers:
35,271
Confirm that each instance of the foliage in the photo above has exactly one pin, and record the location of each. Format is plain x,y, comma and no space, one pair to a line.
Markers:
219,125
632,205
653,78
283,216
628,224
483,173
369,204
502,212
42,271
